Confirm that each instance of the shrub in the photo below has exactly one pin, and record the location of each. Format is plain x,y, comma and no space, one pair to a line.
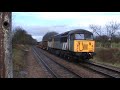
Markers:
110,55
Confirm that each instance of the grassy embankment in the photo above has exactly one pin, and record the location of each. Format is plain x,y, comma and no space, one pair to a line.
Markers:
19,60
109,56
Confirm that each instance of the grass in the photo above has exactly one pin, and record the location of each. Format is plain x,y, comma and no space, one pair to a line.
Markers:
19,62
109,56
114,45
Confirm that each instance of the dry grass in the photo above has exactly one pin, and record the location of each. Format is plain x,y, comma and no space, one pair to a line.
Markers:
108,55
19,63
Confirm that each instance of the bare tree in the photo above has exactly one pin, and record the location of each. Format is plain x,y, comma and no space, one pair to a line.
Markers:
96,29
111,28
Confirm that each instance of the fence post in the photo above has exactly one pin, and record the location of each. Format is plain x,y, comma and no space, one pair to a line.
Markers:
6,66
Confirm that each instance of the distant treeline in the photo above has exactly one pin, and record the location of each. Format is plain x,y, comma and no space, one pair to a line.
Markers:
20,36
107,34
105,38
105,41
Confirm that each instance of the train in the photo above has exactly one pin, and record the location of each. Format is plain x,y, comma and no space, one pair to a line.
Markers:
78,44
43,45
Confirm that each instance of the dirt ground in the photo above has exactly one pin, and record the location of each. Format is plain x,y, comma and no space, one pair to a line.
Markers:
33,69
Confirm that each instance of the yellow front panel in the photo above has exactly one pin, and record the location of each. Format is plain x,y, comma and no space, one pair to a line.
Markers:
84,46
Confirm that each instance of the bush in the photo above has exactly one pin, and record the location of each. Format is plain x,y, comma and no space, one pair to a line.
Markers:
20,36
110,55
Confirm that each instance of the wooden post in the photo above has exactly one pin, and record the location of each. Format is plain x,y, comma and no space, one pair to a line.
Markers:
6,65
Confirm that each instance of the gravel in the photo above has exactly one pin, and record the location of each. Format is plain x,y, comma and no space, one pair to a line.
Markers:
34,70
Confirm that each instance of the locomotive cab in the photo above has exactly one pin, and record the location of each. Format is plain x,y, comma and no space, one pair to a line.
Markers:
83,44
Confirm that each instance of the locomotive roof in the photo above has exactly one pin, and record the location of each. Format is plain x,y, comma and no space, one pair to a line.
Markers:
76,31
73,32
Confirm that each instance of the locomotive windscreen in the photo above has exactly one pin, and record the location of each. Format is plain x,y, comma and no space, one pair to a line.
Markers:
79,36
83,37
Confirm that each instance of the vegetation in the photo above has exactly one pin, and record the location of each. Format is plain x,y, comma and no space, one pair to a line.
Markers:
107,35
21,42
107,43
108,56
20,36
19,60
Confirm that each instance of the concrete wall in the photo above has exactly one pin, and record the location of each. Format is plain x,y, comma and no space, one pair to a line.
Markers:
6,66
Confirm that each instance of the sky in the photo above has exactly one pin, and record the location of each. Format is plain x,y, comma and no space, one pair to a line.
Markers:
39,23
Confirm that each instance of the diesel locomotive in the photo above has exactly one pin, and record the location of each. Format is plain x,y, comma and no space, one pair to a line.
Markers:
78,43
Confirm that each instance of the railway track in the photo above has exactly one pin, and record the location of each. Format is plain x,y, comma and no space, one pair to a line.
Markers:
108,71
46,66
112,73
55,69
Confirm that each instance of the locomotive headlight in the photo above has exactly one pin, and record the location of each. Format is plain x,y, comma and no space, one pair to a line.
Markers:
90,53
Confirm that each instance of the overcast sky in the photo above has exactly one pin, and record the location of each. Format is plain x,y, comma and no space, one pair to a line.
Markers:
39,23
